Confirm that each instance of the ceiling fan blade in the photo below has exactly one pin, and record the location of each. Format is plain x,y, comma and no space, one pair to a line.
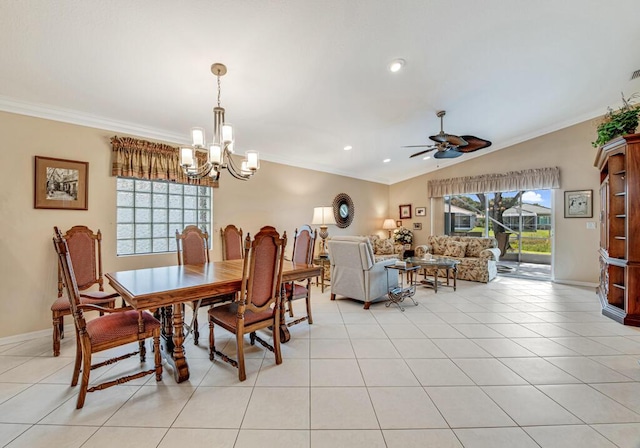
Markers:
449,154
422,152
475,144
419,146
453,140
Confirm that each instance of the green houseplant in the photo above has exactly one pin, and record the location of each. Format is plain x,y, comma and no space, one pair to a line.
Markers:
618,122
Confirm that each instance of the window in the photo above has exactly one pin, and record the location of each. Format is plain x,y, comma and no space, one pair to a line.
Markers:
149,212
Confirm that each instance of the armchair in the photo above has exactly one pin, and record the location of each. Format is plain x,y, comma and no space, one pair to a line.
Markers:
354,271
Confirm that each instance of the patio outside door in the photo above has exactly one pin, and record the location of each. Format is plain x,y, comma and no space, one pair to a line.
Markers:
519,220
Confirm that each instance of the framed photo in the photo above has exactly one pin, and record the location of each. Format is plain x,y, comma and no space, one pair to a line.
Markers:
417,225
421,211
61,184
398,223
405,211
578,204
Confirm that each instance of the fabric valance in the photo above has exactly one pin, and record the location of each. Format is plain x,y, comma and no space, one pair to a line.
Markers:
532,179
142,159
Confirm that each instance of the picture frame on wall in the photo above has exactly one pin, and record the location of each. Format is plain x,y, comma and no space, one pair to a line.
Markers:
405,211
398,223
417,225
578,204
61,184
421,211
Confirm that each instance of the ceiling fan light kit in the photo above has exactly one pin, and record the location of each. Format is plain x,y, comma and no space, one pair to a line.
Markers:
449,146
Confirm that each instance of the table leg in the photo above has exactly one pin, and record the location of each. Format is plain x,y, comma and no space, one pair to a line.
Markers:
455,277
172,342
435,280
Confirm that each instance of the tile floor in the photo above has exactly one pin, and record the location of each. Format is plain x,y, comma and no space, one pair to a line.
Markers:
515,363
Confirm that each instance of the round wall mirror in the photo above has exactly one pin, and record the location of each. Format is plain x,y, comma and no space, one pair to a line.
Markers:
343,210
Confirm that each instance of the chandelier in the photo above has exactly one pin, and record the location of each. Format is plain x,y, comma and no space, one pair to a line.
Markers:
199,161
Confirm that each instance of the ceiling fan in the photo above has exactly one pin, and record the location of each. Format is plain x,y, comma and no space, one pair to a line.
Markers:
450,146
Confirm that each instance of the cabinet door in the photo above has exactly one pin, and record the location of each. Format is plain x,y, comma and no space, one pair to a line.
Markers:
604,214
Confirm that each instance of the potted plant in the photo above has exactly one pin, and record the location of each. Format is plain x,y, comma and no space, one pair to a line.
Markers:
403,236
618,122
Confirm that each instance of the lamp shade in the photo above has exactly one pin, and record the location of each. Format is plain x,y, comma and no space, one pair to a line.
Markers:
389,224
323,216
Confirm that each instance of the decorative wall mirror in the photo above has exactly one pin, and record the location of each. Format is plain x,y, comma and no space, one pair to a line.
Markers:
343,210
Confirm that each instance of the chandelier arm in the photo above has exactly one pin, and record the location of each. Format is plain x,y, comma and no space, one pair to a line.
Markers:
233,169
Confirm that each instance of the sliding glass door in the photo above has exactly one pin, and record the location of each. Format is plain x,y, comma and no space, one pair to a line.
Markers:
519,220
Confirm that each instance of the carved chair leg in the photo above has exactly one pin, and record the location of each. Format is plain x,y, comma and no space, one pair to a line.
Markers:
78,364
56,336
242,374
309,317
157,356
276,343
212,340
290,303
84,385
252,338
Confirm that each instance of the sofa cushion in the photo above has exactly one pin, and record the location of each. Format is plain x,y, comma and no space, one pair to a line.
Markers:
455,249
475,246
383,247
438,244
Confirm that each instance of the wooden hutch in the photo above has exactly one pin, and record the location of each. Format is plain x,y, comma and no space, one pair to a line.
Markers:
619,289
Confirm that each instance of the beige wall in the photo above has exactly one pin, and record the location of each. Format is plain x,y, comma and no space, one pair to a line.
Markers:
279,195
575,248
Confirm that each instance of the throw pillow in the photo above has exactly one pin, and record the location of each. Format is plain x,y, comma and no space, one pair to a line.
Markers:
384,247
455,249
475,246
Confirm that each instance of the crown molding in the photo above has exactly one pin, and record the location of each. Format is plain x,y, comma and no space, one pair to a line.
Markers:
88,120
82,119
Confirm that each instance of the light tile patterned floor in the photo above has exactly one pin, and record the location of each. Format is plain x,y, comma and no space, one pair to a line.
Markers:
515,363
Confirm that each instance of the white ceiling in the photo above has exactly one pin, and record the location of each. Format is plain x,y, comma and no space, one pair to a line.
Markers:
307,77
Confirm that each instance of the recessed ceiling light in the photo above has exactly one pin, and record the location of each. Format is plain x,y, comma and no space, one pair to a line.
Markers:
348,148
386,160
426,157
396,65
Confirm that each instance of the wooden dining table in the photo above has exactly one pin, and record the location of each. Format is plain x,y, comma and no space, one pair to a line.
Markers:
166,288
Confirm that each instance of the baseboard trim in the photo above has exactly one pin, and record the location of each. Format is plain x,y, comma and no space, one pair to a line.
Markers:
574,283
23,337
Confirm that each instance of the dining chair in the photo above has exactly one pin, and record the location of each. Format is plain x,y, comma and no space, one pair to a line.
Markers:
85,249
231,238
192,247
117,327
258,305
303,246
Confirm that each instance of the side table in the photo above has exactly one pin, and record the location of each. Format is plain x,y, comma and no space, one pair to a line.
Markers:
397,294
325,262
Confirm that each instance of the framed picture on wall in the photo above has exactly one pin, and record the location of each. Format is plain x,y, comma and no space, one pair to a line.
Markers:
578,204
61,184
417,225
398,223
421,211
405,211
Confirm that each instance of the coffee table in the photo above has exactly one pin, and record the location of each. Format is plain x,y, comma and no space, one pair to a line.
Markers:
435,264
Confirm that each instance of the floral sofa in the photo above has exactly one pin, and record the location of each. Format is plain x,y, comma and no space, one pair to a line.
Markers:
478,256
385,248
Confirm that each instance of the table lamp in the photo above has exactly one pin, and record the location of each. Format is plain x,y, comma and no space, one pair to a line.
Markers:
323,216
389,224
